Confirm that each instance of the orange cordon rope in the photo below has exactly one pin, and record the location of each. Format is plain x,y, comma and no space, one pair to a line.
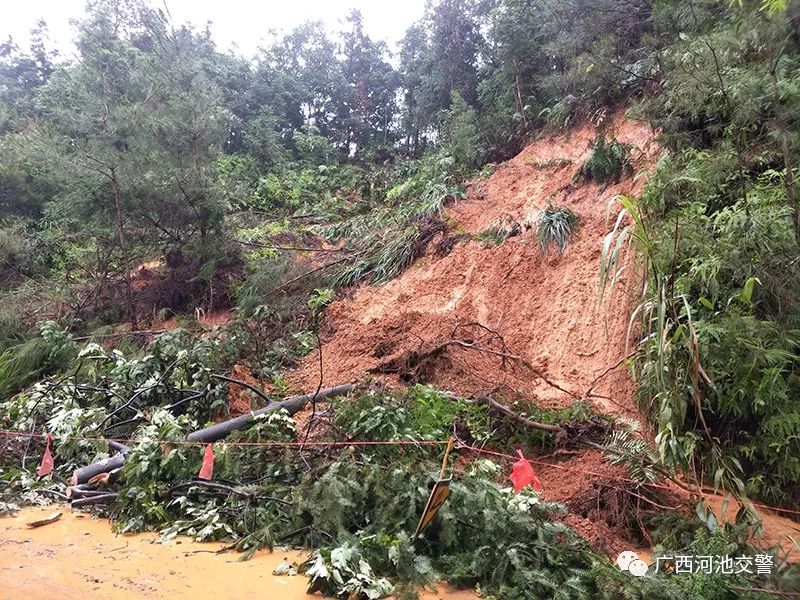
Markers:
460,446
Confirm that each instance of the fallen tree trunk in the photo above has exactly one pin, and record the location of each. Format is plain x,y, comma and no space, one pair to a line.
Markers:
216,432
84,474
101,499
292,405
493,404
79,491
118,447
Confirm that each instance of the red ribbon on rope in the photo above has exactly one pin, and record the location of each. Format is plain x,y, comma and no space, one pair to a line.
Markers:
207,470
522,475
47,459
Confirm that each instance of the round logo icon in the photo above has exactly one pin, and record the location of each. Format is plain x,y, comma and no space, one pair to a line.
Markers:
625,558
630,561
638,568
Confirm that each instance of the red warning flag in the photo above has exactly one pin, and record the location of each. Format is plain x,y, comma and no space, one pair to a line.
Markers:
207,470
522,474
47,460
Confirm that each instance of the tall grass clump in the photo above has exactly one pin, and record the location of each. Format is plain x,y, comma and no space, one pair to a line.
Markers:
714,364
557,225
31,359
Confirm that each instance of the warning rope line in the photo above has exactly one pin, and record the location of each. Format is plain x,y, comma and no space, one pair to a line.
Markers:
417,443
25,434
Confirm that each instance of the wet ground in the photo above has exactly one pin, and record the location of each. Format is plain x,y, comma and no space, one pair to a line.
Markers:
80,557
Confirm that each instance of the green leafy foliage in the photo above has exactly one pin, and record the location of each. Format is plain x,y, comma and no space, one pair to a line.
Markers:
608,161
461,134
425,413
422,413
463,556
720,341
559,115
387,240
342,572
624,447
102,393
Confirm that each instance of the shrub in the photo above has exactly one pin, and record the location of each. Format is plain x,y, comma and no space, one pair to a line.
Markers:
17,251
12,329
236,178
499,231
394,251
388,239
560,115
462,138
607,161
557,225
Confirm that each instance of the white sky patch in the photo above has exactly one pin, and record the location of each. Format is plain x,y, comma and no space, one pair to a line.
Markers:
238,25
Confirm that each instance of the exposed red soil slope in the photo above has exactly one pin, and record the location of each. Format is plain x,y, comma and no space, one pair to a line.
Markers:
513,299
778,530
544,305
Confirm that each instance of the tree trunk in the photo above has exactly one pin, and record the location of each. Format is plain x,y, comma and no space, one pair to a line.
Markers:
124,246
215,432
292,405
519,100
84,474
76,491
118,447
89,500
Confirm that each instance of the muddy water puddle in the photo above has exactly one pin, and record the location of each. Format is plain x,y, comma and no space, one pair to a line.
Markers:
80,557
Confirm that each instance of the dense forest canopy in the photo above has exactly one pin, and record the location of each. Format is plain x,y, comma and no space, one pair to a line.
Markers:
150,143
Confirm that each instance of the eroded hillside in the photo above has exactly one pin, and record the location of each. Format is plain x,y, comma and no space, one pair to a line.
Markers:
516,322
510,298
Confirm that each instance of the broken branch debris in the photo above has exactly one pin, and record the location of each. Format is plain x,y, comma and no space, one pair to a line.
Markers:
207,435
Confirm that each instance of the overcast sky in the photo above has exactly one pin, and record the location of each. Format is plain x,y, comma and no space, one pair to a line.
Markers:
235,23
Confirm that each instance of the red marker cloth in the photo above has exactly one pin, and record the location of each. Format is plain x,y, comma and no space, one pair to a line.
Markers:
522,475
47,460
207,470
